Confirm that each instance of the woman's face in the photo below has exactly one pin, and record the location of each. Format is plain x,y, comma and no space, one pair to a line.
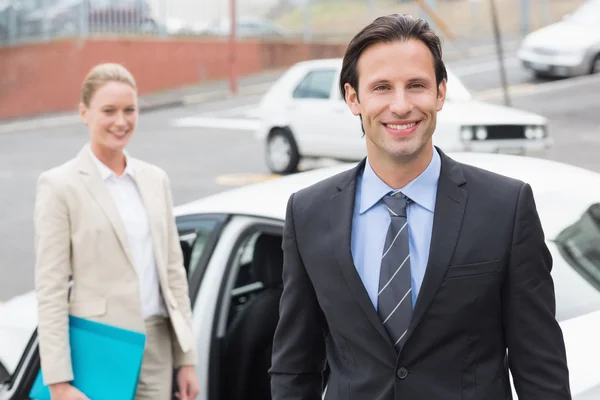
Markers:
111,116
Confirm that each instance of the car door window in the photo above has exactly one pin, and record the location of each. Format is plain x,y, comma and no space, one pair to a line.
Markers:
248,280
195,235
315,85
577,266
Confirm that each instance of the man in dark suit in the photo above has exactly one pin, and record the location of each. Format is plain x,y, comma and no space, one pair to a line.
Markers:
413,276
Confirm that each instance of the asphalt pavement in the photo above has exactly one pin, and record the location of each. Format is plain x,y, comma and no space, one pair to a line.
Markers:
206,144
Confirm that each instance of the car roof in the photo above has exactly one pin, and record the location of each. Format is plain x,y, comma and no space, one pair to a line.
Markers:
562,192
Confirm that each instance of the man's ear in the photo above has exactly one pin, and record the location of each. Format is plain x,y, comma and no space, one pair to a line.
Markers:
352,99
441,98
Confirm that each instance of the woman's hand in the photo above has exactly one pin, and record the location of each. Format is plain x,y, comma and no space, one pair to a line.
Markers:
188,383
65,391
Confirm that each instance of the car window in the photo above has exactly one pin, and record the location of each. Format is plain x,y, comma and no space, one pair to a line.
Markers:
315,85
4,374
195,232
257,252
244,257
577,266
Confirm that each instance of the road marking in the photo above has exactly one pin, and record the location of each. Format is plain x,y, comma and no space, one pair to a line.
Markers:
538,88
484,67
244,179
499,92
248,110
243,91
39,123
212,122
453,52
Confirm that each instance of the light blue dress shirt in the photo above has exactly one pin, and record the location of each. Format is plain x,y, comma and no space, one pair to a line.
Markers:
371,219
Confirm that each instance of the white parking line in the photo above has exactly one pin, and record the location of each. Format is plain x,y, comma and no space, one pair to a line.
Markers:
243,91
212,122
248,110
484,67
39,123
525,89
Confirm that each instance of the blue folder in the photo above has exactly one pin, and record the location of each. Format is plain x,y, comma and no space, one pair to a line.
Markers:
106,361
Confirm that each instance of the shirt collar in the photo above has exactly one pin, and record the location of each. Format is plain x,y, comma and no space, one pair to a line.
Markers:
422,190
106,172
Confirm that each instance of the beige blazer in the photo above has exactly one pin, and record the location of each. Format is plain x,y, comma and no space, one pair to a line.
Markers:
78,232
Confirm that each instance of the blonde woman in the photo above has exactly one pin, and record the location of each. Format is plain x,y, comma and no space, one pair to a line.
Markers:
106,220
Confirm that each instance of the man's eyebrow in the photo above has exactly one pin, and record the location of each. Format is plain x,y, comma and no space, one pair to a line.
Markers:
382,81
379,82
419,79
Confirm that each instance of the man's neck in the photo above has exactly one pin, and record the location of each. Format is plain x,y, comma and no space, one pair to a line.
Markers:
399,173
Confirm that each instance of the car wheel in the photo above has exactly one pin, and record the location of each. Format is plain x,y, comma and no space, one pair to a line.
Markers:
595,69
282,152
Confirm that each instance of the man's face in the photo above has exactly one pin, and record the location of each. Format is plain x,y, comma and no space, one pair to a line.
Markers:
397,99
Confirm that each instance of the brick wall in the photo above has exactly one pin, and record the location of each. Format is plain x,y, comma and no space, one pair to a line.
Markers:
46,77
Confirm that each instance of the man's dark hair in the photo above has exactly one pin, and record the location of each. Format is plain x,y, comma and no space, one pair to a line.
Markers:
388,29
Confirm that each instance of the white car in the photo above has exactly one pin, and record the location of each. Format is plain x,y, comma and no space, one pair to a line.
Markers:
570,47
233,254
303,115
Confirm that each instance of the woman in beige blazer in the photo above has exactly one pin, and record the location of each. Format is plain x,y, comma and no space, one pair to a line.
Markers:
106,220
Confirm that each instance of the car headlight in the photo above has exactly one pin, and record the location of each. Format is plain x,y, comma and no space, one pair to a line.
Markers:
466,133
535,132
481,133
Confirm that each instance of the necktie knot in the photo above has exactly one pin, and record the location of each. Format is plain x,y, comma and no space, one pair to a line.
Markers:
396,204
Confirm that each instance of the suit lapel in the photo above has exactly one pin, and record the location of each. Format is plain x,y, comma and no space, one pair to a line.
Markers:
341,212
93,182
447,222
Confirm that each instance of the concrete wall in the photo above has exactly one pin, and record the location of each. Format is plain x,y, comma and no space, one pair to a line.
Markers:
44,78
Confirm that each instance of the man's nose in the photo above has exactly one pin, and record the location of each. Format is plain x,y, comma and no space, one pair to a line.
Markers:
400,104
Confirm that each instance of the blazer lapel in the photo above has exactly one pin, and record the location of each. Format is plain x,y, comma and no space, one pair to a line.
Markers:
341,212
447,222
93,182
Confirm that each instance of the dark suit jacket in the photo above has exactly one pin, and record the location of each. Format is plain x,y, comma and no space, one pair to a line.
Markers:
487,291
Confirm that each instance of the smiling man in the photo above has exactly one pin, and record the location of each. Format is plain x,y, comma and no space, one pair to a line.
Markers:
414,277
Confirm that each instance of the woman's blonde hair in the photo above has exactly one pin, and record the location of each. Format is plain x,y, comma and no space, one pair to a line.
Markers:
102,74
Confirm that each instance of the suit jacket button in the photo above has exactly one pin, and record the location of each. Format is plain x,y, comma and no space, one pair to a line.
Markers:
402,373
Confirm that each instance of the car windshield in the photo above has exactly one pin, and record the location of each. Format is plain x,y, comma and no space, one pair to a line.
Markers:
587,14
577,266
